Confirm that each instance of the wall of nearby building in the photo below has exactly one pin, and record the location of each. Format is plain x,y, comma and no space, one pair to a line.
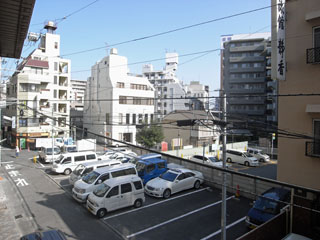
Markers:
293,164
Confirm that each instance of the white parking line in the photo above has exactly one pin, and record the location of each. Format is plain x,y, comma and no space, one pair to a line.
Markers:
219,231
153,204
176,218
65,177
6,162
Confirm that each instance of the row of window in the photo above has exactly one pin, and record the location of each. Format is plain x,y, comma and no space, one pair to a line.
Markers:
243,44
133,86
246,65
245,54
247,86
136,100
247,107
125,188
247,75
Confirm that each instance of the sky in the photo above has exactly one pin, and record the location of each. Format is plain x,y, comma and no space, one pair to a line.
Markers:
108,22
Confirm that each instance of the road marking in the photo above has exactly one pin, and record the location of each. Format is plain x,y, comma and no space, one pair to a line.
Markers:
176,218
6,162
57,178
153,204
219,231
41,164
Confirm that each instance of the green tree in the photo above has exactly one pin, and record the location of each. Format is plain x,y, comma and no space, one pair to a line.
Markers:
149,136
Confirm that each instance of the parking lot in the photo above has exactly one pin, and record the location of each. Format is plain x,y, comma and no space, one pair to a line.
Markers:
192,214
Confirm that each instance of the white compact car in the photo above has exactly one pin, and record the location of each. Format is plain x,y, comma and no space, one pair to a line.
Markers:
207,159
173,181
259,154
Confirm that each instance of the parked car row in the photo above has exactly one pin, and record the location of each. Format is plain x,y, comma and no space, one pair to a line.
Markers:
107,185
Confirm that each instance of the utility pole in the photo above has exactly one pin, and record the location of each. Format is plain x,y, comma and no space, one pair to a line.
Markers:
52,134
224,187
204,146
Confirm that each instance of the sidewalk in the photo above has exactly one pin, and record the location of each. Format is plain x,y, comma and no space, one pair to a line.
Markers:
8,226
15,220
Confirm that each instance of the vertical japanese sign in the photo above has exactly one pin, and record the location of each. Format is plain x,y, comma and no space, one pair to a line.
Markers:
281,40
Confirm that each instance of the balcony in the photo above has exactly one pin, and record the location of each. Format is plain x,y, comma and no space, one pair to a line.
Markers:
237,101
247,48
247,80
246,90
313,149
247,70
246,59
313,55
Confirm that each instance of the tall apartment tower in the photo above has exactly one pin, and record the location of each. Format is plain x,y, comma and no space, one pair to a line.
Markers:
245,77
41,87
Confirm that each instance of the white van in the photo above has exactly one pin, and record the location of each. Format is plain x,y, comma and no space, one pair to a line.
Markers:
85,168
83,187
116,193
66,163
241,157
45,154
259,154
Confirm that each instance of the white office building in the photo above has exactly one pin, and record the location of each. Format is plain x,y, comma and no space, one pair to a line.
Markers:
41,85
170,93
116,101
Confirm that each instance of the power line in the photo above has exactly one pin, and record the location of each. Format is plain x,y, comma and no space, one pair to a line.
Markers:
173,30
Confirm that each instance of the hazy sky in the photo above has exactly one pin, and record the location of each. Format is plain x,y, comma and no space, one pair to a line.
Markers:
108,22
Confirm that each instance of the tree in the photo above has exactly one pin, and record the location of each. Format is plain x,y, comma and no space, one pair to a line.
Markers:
149,136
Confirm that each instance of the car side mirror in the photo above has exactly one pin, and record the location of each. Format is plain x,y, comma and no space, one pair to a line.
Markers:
176,181
99,181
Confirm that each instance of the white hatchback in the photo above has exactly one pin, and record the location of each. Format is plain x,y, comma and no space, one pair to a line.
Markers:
173,181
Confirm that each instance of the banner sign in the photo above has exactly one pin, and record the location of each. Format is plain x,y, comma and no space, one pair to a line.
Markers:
281,40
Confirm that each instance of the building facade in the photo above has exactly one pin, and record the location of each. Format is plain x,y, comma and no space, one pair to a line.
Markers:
41,87
297,70
116,101
245,78
170,93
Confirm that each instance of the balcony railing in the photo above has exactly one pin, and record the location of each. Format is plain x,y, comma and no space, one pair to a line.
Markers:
313,55
313,149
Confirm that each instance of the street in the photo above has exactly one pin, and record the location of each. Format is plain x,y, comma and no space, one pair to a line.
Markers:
192,214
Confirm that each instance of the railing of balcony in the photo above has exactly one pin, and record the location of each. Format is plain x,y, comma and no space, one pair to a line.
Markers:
313,149
313,55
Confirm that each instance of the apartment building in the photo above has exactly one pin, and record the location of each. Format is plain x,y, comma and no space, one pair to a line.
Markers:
117,101
78,88
170,93
41,87
297,70
245,77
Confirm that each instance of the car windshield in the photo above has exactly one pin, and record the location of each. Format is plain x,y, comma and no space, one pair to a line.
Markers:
78,170
101,190
91,177
265,205
169,176
140,167
114,156
213,159
59,159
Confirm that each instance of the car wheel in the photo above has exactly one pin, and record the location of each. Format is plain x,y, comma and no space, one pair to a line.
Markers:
166,193
138,203
246,163
229,160
67,171
261,160
197,185
101,213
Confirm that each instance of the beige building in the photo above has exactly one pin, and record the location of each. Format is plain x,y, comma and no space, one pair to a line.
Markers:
295,64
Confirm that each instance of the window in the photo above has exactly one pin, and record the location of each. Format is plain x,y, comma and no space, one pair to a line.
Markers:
316,134
150,168
55,93
120,84
181,177
125,188
107,118
23,122
140,118
316,37
66,160
91,157
56,45
137,185
120,118
104,177
55,66
127,118
113,192
134,118
54,107
161,165
130,171
189,174
79,158
87,170
146,118
55,80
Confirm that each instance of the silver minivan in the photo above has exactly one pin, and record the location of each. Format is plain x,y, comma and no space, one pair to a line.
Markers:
116,193
83,187
241,157
85,168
